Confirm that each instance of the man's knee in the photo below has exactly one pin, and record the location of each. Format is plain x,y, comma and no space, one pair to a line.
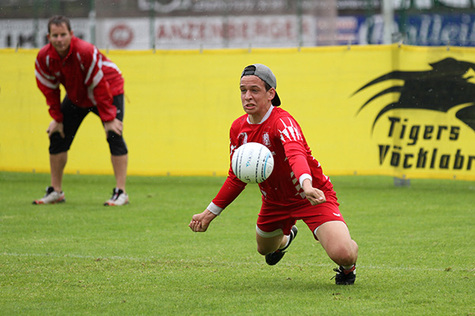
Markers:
268,242
58,144
264,250
344,254
116,144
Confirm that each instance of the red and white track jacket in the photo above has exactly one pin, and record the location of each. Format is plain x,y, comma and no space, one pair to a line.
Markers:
89,77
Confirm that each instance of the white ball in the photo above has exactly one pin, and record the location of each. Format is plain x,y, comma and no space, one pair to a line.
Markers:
252,163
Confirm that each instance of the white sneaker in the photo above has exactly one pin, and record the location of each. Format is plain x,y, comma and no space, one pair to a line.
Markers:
118,198
51,197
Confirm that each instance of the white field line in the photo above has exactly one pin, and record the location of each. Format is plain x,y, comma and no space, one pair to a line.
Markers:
151,259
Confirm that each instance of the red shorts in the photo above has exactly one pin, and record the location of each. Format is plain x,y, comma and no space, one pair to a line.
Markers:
272,217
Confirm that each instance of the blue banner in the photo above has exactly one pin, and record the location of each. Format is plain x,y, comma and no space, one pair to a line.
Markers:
420,29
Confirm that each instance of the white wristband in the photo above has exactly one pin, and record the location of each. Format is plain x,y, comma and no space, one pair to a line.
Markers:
303,177
213,208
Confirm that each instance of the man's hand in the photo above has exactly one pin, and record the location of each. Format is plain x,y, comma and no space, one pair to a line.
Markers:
55,127
314,195
115,126
200,222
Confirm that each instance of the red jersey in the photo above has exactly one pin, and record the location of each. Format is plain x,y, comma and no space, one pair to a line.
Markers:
89,77
293,161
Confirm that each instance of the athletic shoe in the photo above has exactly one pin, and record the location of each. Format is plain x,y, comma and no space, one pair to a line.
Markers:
118,198
345,277
51,197
274,257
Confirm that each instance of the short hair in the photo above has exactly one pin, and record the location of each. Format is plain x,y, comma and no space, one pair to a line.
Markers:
266,85
58,20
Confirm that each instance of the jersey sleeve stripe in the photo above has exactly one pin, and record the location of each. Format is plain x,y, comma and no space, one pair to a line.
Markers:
91,67
111,65
45,81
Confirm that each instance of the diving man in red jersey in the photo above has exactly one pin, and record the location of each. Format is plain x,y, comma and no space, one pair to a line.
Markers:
297,189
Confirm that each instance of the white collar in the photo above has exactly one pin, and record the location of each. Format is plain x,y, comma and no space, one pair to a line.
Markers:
265,116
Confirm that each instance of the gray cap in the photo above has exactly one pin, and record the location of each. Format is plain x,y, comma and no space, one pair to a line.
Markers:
266,75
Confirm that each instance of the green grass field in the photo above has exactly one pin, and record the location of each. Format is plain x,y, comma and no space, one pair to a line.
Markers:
416,256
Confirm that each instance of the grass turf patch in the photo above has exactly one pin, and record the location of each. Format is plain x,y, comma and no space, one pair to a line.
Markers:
416,251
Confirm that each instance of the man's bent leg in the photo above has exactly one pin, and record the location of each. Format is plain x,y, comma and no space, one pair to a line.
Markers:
54,193
119,196
336,240
119,164
57,164
274,244
266,245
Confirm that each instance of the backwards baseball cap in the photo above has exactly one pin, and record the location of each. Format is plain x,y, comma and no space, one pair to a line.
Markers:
266,75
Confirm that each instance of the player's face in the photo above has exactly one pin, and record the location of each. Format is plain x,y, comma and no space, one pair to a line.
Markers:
60,37
256,101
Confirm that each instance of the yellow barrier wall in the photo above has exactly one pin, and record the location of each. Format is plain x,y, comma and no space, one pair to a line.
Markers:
180,104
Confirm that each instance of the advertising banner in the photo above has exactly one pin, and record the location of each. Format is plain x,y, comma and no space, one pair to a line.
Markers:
402,111
420,115
208,32
247,31
420,29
